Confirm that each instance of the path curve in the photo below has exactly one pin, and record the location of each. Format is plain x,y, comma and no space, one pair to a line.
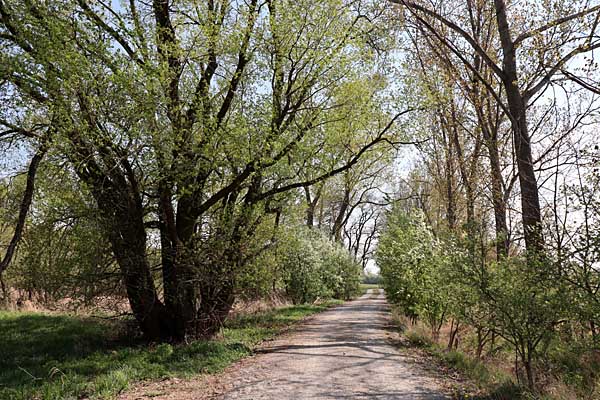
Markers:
342,353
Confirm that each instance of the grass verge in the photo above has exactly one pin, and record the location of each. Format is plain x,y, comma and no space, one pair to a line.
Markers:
61,357
366,286
479,380
492,384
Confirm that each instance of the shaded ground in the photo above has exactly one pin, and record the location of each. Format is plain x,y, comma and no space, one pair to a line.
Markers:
54,356
343,353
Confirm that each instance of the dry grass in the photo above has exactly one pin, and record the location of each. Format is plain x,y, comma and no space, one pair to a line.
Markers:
567,376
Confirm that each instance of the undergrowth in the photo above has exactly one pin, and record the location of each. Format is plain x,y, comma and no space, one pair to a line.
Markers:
568,373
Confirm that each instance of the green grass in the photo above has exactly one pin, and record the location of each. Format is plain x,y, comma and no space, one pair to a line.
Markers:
471,367
61,357
366,286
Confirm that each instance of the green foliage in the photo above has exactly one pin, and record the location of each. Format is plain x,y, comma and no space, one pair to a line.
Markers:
576,363
371,279
188,132
59,357
340,273
364,287
414,267
300,264
315,267
307,265
64,252
519,299
529,305
66,261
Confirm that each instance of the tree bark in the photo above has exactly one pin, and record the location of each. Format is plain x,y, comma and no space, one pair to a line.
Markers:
311,205
124,220
530,202
448,171
338,224
453,338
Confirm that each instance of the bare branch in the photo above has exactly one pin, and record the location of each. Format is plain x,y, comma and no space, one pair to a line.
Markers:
552,24
488,60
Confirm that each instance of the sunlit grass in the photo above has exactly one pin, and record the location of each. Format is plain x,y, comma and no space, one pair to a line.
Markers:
366,286
61,357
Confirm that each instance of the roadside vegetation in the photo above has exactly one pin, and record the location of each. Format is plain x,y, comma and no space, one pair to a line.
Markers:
58,355
175,144
507,327
63,357
370,281
491,248
364,287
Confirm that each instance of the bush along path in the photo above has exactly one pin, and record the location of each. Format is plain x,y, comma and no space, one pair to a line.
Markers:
344,353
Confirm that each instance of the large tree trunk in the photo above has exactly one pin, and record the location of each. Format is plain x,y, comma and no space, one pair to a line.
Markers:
530,202
120,206
125,224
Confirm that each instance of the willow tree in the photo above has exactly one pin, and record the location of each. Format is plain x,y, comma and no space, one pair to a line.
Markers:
189,122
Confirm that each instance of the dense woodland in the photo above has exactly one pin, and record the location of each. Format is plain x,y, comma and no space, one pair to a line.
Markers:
170,159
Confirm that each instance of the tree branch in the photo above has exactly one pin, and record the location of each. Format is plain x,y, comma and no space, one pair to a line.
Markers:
413,6
24,209
378,139
87,10
557,67
552,24
241,65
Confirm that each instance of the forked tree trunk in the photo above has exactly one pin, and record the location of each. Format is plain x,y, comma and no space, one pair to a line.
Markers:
311,205
123,217
453,338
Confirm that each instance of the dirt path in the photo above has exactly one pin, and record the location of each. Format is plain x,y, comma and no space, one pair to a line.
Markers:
342,353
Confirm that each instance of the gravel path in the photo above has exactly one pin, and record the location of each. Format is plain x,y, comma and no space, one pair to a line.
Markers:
343,353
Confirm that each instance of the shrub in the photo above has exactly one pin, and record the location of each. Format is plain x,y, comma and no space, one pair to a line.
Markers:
414,268
306,264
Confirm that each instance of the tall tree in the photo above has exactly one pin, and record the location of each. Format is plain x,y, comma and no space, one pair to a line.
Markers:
189,125
520,87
